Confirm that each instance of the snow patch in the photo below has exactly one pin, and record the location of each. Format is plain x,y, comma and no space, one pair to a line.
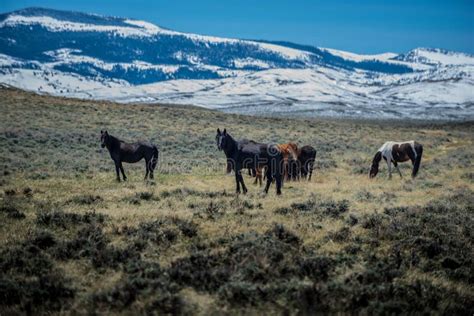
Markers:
55,25
356,57
250,62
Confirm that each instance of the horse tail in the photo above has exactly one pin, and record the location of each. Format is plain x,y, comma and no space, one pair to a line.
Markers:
311,166
154,159
416,165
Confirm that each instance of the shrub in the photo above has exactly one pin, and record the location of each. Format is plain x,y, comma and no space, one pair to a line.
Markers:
315,205
29,281
87,199
57,218
341,235
280,232
11,211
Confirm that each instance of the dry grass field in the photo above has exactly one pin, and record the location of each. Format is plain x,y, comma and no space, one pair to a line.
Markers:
73,240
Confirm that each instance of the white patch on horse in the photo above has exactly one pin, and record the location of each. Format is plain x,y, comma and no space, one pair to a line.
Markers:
412,144
386,149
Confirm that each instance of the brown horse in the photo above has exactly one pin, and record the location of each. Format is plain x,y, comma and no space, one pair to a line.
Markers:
393,152
290,153
121,151
259,171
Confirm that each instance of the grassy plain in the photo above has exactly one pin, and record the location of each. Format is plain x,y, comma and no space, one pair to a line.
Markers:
73,240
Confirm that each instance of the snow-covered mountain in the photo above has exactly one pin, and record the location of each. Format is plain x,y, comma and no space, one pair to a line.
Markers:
90,56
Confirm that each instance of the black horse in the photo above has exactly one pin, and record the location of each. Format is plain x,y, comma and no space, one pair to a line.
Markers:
251,172
121,151
251,155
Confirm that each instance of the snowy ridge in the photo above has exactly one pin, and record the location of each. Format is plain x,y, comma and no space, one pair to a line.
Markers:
138,61
54,25
433,56
137,29
357,57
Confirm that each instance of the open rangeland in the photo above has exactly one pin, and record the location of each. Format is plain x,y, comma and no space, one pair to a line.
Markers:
74,240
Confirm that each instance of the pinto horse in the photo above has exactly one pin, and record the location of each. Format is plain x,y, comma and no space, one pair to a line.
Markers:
121,151
393,152
253,156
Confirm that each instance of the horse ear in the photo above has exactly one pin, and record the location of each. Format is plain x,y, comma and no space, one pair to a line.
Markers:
105,132
218,131
101,131
225,132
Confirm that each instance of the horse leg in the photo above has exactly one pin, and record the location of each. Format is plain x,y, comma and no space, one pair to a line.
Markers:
310,166
389,165
151,168
241,179
396,167
123,172
269,180
279,183
291,174
151,172
301,171
117,168
258,176
304,170
237,181
147,168
285,170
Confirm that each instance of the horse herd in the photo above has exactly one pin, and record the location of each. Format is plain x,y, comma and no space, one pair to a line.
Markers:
275,162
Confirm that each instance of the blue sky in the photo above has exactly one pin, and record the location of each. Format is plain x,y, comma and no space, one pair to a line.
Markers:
357,26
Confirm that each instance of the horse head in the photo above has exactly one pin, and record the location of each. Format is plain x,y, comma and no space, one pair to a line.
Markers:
104,138
222,139
293,149
374,169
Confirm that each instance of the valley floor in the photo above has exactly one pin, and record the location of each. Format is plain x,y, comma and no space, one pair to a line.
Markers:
75,241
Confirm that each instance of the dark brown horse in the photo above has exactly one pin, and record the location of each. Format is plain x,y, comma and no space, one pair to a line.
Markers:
251,155
393,152
304,166
121,151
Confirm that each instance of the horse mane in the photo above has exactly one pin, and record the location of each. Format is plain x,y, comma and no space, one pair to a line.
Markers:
289,149
234,145
377,158
293,148
114,139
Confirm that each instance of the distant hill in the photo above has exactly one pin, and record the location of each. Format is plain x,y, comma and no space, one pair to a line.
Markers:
90,56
